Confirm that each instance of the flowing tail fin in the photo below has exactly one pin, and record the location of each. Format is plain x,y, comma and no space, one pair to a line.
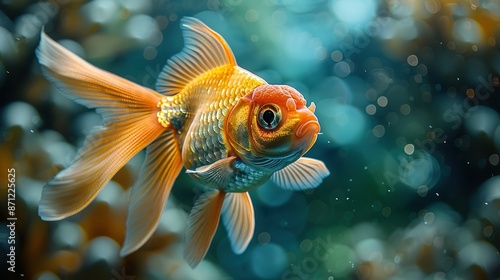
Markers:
130,124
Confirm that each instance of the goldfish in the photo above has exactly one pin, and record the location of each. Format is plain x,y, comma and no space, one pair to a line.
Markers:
228,128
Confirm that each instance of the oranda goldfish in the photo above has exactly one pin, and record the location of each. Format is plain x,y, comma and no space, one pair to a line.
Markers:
227,127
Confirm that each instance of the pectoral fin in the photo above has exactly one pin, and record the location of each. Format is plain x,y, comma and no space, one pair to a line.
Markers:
202,224
238,218
305,173
216,174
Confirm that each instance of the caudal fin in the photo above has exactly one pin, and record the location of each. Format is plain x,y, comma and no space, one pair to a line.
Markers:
130,124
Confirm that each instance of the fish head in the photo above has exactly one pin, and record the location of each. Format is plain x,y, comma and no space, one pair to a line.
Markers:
272,127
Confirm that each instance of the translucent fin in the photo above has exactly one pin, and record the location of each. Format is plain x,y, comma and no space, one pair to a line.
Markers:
129,114
113,96
202,224
104,152
149,194
305,173
203,50
216,174
238,218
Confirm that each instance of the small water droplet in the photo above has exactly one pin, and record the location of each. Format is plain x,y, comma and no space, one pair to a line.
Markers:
486,203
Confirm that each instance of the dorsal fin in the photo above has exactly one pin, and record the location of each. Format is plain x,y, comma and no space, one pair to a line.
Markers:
204,50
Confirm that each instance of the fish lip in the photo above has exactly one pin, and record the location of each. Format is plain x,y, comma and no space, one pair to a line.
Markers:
310,127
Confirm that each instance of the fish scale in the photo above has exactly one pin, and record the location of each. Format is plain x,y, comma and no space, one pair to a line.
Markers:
219,89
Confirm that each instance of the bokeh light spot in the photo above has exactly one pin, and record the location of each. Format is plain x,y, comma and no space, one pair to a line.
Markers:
68,235
306,245
337,56
264,238
420,169
371,109
272,195
354,12
101,11
467,30
279,17
22,114
405,109
412,60
342,69
409,149
268,261
141,27
341,261
103,249
479,253
494,159
251,15
343,123
379,131
382,101
482,120
150,53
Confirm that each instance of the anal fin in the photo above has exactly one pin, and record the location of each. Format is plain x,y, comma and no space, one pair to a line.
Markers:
238,218
149,194
202,224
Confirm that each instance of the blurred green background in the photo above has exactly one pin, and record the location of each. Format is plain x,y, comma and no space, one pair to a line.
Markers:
407,94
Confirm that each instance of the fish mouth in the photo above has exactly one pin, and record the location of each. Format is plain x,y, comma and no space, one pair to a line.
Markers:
310,127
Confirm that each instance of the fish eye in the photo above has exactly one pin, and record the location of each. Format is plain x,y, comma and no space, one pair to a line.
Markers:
269,116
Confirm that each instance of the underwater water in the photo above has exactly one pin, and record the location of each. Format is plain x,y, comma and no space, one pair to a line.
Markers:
407,95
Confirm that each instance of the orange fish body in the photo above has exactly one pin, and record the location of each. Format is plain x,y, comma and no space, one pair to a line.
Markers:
230,129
